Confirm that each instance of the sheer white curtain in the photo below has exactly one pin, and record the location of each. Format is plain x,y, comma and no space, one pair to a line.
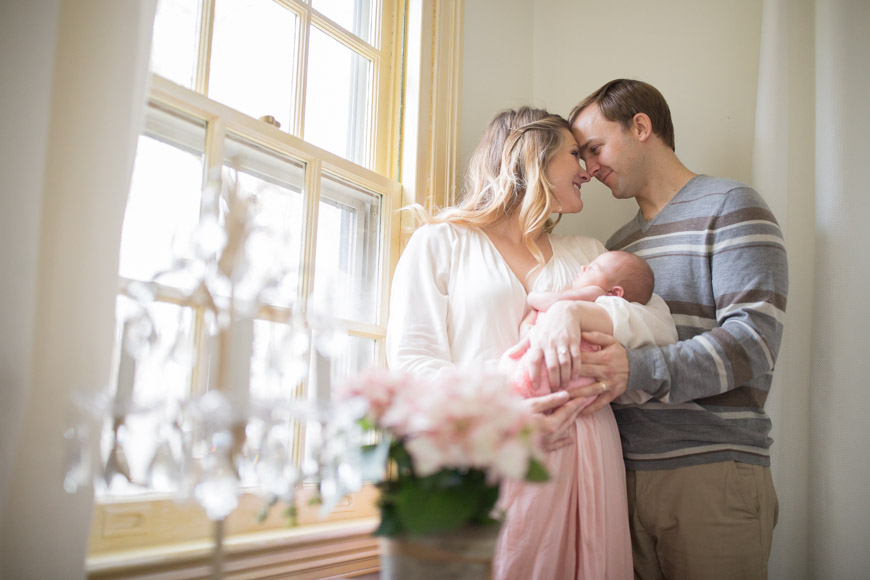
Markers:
811,148
783,168
74,87
839,465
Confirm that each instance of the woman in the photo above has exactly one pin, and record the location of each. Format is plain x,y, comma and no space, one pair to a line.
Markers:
458,298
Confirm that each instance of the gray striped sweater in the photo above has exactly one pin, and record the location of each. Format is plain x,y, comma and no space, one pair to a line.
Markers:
720,264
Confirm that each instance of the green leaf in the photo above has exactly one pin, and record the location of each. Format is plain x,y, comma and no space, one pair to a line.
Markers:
486,502
404,463
292,513
537,472
390,525
444,501
425,512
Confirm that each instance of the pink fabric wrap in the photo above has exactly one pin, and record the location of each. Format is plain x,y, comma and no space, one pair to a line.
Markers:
575,526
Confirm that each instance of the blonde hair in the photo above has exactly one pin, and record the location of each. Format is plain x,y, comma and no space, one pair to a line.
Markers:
507,174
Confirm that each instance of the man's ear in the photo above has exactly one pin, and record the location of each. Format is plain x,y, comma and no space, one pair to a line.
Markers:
617,291
642,126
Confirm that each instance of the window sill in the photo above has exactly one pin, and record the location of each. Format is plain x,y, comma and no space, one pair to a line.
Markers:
316,551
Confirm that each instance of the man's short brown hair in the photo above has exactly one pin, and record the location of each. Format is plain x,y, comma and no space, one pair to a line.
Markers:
621,99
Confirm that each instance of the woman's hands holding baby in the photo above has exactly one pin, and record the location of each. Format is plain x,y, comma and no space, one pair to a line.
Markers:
555,342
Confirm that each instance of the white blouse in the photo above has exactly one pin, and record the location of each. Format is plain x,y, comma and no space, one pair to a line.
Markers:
456,302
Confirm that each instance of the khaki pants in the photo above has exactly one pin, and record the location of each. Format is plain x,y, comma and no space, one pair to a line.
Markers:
705,522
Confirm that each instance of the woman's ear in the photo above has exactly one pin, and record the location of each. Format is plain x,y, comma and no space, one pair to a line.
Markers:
642,126
616,291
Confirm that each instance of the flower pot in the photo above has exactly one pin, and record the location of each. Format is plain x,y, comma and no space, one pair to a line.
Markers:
459,554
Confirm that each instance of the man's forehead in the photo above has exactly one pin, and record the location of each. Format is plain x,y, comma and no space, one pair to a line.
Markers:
589,126
587,118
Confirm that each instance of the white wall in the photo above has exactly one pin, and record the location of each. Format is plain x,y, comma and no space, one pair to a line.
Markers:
703,56
496,65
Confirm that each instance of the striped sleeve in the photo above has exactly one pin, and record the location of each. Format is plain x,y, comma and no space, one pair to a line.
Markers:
722,269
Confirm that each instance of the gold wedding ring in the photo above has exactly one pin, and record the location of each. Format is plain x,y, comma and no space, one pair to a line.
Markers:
603,386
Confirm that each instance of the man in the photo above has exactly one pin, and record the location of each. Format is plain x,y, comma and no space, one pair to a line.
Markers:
701,499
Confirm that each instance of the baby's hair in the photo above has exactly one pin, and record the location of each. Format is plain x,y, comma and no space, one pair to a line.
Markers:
635,277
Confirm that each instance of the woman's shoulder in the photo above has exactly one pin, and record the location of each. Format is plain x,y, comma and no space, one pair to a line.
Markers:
438,232
439,237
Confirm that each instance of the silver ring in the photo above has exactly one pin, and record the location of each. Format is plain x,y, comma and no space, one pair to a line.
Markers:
562,351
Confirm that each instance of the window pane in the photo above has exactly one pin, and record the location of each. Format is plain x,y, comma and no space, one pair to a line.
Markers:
358,355
165,194
279,360
174,42
357,16
348,249
162,379
163,372
337,100
273,183
252,58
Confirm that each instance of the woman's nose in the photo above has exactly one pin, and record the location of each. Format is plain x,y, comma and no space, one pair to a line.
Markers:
584,175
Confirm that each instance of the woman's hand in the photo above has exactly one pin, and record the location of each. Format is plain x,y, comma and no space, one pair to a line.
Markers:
555,426
555,342
609,365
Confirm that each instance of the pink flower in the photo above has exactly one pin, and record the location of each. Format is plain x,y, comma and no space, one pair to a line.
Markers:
461,419
378,387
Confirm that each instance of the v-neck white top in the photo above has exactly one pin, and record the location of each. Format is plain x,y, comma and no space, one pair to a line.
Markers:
456,302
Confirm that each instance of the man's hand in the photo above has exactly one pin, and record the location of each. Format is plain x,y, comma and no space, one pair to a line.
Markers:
556,426
609,365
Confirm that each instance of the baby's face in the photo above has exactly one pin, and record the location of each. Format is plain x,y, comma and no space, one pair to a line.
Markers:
600,272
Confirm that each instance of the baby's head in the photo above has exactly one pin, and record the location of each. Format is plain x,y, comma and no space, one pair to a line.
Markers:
619,274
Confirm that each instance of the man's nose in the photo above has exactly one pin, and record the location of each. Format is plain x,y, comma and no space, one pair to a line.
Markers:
592,168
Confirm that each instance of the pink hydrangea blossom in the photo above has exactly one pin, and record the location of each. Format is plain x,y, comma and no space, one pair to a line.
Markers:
461,419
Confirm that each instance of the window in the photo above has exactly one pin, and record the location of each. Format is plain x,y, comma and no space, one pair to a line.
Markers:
321,69
292,102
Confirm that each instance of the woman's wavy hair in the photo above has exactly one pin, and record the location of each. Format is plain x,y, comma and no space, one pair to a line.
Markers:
507,174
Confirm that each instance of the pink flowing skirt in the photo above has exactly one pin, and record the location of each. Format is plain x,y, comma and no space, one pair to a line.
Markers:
575,526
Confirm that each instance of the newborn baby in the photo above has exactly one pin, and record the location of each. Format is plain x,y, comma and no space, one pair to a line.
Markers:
611,276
